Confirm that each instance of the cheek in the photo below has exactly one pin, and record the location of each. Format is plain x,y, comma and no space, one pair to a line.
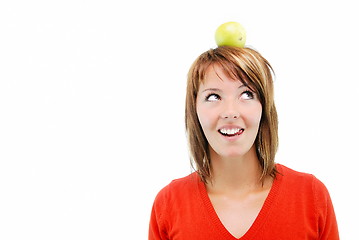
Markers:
255,115
205,117
252,115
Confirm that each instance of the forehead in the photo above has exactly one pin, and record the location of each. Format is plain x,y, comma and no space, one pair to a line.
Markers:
217,75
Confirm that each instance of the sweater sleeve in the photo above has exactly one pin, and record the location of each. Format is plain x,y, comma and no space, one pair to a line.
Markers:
327,224
157,230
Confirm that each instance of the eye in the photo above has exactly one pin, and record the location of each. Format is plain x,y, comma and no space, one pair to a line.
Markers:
213,97
247,95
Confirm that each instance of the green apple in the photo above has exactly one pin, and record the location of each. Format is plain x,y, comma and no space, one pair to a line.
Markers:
231,34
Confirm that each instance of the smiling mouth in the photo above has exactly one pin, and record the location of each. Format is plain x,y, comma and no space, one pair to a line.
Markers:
231,132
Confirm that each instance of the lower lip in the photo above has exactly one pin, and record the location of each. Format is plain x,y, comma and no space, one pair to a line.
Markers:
232,138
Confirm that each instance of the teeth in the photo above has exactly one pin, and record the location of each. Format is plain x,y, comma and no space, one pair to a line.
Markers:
229,131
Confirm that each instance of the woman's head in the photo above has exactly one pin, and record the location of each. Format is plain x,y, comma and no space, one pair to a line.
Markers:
254,75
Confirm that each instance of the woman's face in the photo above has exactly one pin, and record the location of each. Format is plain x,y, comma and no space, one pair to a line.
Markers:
229,113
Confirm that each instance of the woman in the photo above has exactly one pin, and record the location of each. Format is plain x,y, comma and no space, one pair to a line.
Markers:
238,191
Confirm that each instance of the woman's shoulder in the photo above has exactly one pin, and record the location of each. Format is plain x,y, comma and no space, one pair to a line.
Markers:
306,202
178,187
300,180
290,174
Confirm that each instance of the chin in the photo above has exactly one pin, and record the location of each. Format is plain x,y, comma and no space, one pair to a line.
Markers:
234,153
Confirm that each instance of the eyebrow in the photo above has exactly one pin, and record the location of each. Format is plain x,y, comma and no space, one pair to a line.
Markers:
219,90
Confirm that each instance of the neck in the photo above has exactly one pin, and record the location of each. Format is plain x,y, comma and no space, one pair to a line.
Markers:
240,174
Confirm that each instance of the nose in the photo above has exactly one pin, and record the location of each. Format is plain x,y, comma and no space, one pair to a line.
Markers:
230,110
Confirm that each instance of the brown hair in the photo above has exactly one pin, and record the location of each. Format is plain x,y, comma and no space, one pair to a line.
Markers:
248,66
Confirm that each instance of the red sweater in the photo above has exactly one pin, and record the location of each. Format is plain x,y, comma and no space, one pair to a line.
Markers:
298,206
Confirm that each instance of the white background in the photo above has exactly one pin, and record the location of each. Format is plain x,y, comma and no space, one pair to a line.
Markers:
92,105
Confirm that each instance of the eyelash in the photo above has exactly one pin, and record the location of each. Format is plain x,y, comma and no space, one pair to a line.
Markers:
249,93
212,94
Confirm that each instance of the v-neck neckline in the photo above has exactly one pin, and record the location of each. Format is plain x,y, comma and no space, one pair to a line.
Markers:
258,222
